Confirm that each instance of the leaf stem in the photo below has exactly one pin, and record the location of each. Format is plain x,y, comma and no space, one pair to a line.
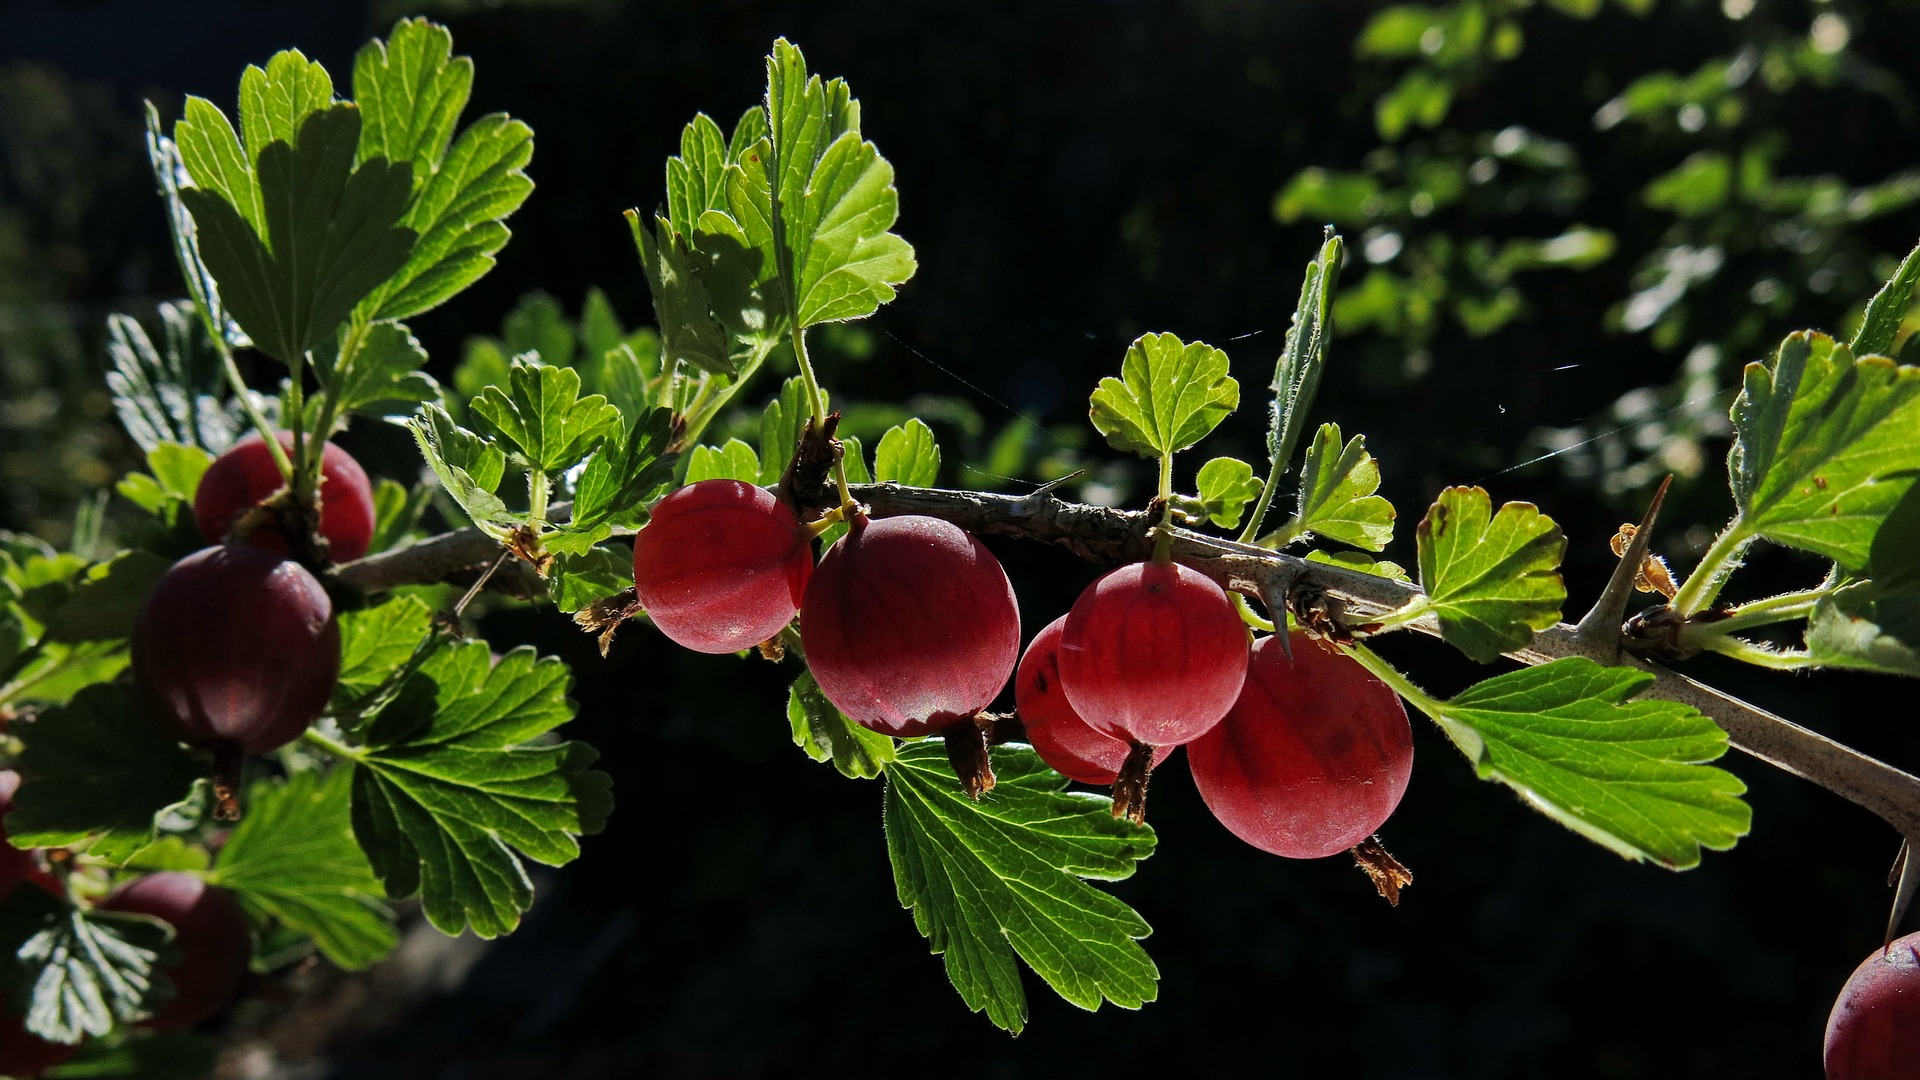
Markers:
1702,586
1759,655
331,745
1774,609
1391,675
1259,514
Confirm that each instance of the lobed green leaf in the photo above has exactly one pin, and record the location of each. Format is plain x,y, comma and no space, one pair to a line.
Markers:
734,461
90,971
469,467
1226,486
329,234
1170,395
825,733
454,786
293,858
1337,500
1628,775
376,642
1824,446
688,330
410,89
541,416
907,454
97,775
1002,877
1492,579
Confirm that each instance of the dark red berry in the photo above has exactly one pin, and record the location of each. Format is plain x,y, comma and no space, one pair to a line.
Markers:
236,648
239,478
1311,759
1872,1030
721,566
209,931
1057,733
910,625
1153,654
24,1054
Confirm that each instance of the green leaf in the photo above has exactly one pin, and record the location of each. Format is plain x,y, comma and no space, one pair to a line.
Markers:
1492,579
625,475
1169,396
1887,310
381,377
1003,876
410,89
454,786
169,395
1296,377
106,600
61,671
93,972
171,173
696,177
96,774
1226,486
577,579
293,858
1357,560
538,324
377,641
216,163
1893,561
688,330
1824,446
331,234
907,455
468,466
734,461
1628,775
1337,500
178,468
275,102
396,512
1860,628
825,734
832,199
542,417
780,426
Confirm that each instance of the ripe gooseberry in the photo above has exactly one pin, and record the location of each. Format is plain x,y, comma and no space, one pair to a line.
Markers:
209,931
236,649
24,1054
910,627
245,473
1311,759
1057,733
1870,1031
721,565
1153,653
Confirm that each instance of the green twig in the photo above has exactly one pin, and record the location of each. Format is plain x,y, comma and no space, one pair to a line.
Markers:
1702,586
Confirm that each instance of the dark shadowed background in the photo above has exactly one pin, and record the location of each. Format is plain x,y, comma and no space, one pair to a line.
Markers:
1569,224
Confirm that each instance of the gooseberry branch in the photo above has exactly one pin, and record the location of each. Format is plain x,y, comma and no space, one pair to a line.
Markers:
1106,535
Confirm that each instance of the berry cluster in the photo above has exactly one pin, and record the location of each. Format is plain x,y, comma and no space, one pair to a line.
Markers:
911,628
236,650
210,934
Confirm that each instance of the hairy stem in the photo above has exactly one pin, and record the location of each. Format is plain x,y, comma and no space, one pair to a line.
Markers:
1702,586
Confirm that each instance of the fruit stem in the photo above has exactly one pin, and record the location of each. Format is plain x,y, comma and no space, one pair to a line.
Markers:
1249,616
228,759
818,401
1721,559
967,753
1130,786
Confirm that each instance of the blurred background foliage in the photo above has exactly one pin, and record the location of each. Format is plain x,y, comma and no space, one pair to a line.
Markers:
1570,224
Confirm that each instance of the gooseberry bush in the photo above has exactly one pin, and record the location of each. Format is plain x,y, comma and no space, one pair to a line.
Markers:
268,719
